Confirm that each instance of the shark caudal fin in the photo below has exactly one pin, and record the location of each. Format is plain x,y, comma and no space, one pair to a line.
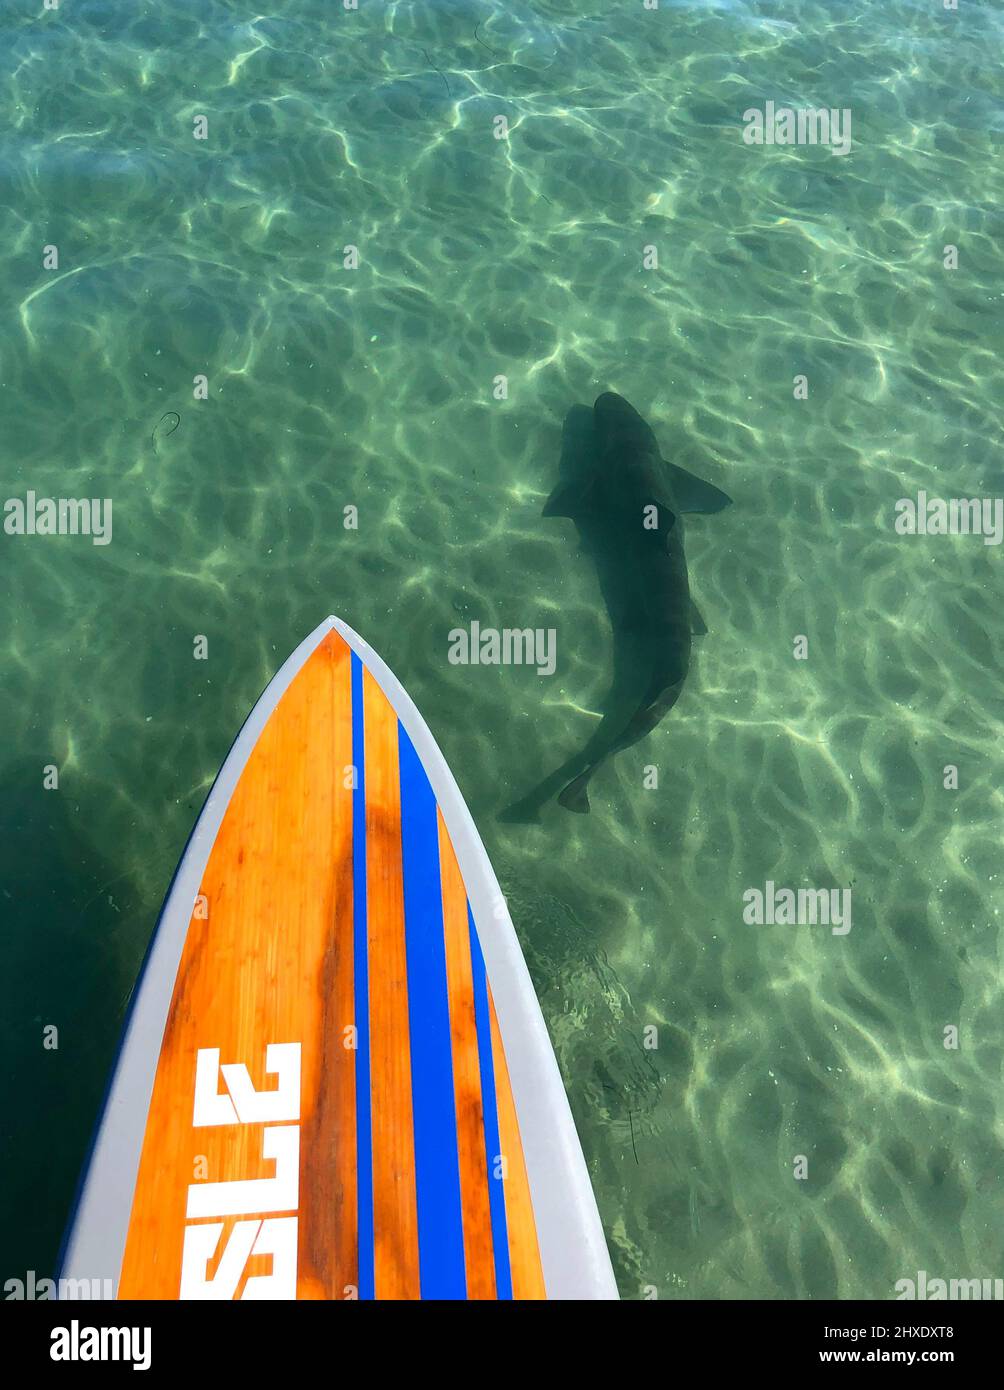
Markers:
575,797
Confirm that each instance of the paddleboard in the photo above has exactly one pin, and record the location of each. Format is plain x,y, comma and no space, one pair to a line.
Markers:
335,1081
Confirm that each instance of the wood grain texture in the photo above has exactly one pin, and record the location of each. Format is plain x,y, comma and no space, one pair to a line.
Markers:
524,1253
478,1248
271,963
395,1202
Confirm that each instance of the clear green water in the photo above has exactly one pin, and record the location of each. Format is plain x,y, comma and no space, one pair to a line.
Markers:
331,387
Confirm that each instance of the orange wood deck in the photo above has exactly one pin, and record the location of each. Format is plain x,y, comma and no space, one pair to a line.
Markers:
272,962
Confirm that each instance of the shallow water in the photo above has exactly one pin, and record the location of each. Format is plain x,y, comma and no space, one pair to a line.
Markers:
372,387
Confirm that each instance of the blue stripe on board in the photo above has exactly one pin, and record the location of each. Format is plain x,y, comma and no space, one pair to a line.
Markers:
437,1165
489,1104
364,1124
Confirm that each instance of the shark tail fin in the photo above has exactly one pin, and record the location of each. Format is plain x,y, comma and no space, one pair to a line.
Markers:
575,797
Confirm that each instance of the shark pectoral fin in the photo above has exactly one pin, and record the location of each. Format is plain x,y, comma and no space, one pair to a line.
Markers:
694,494
698,626
575,797
568,499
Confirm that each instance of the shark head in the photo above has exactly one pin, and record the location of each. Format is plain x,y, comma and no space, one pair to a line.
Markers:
620,430
630,482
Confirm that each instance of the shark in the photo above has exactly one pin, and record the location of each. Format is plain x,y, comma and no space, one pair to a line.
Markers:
628,506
